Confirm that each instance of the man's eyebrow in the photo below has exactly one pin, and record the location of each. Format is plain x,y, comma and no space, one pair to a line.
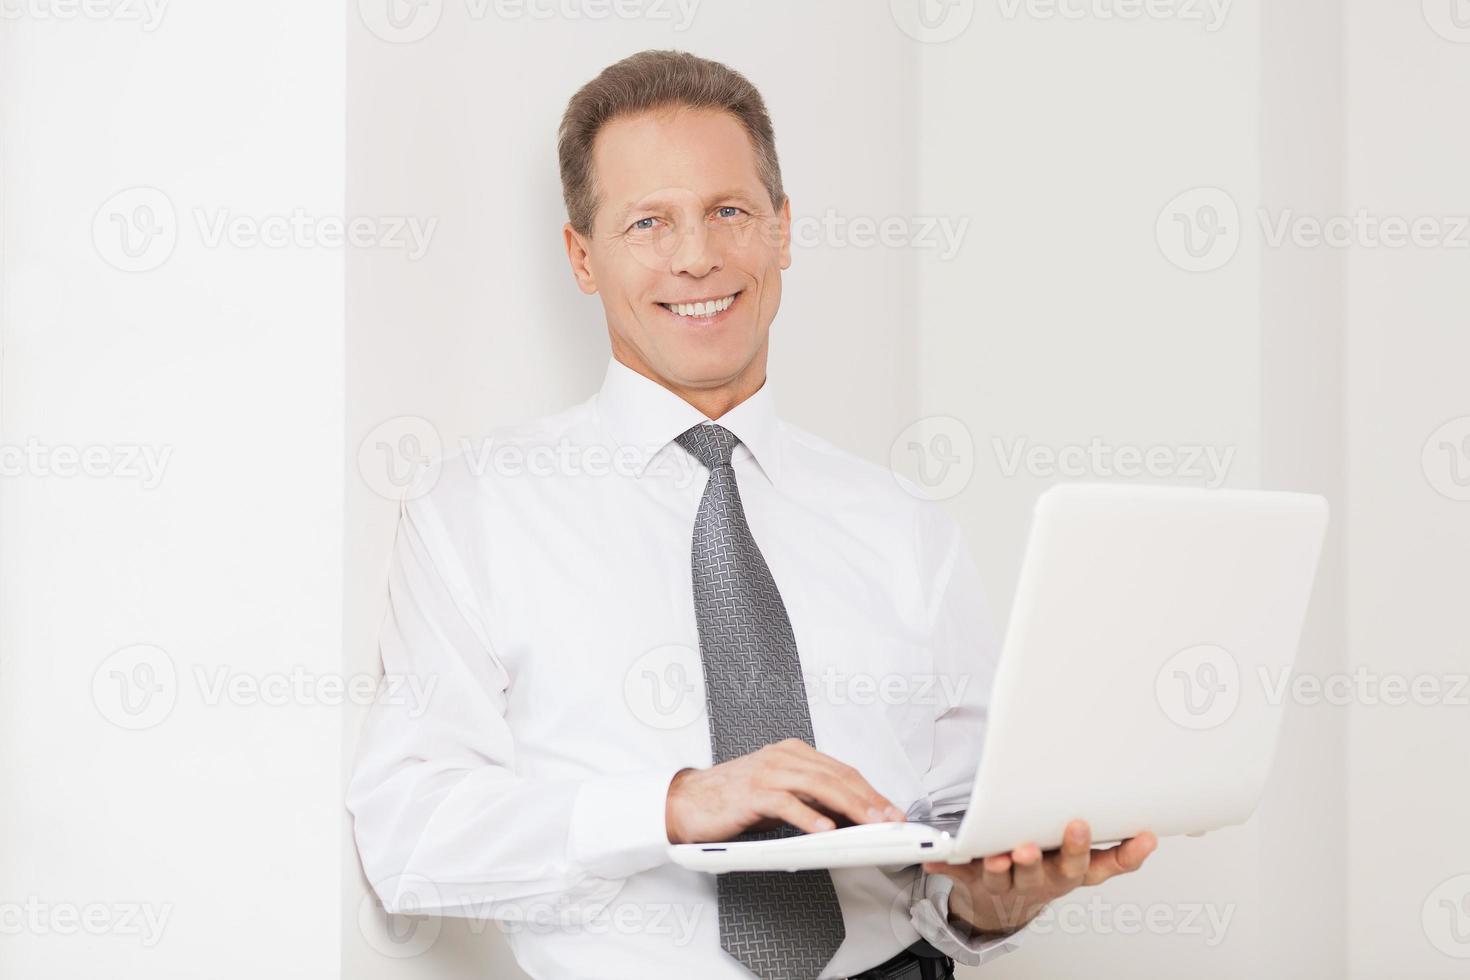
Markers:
650,203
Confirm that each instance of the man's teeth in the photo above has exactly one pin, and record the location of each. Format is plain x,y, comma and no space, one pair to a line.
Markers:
709,308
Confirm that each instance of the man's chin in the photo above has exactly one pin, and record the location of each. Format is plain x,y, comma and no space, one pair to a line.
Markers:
705,367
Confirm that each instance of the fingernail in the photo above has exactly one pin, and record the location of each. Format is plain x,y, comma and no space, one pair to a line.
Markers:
874,814
825,824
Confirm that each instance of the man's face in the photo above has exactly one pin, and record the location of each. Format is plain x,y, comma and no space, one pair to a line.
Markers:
683,218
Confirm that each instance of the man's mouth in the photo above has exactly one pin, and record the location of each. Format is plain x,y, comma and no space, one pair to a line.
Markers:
702,310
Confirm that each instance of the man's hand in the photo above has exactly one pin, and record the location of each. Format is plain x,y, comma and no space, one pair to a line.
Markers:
1003,892
787,781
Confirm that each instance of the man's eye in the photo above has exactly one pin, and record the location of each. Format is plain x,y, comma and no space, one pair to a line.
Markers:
640,225
729,207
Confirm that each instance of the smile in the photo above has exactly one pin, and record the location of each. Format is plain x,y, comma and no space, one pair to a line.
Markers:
706,309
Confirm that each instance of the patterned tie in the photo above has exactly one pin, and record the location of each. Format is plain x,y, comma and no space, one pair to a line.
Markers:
781,925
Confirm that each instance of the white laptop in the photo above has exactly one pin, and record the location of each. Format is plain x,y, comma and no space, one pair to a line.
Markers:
1148,627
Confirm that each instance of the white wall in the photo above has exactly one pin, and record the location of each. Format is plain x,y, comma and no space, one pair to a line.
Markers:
1068,314
1408,344
150,828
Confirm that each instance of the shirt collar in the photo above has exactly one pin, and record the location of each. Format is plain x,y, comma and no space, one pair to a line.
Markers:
641,413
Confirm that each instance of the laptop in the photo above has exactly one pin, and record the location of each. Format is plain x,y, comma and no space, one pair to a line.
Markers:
1148,627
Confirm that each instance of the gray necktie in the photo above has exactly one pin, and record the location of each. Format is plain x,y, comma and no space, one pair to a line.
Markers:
781,925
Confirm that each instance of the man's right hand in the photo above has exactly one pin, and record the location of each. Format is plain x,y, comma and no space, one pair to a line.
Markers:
787,781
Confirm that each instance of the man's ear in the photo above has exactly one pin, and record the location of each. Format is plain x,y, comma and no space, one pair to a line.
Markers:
783,217
577,255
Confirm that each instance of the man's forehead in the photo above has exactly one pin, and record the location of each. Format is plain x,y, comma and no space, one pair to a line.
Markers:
684,159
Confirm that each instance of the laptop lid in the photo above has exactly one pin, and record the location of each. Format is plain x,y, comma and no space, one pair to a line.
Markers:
1149,628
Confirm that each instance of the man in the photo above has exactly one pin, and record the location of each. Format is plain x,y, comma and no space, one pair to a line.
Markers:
662,637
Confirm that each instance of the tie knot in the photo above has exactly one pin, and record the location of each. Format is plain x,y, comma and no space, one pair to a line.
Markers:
711,444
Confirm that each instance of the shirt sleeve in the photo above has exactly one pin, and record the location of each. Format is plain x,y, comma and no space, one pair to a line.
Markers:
930,916
965,648
443,822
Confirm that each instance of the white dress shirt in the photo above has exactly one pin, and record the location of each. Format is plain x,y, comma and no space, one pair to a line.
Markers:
540,588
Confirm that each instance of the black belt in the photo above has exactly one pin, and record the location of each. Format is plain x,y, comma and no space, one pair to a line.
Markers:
921,961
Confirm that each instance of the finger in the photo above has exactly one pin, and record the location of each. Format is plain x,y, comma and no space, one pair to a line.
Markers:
995,874
824,780
855,782
1030,873
1076,852
838,817
786,807
1121,858
825,791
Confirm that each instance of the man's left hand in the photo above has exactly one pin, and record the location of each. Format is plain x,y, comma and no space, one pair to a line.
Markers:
1001,893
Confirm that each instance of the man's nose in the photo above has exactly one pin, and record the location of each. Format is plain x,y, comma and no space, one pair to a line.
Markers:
697,252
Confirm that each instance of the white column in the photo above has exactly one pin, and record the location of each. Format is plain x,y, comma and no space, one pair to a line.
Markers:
1408,472
171,510
1111,302
1303,815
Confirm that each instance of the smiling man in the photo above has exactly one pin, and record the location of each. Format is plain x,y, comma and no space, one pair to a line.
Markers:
666,639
